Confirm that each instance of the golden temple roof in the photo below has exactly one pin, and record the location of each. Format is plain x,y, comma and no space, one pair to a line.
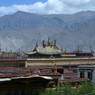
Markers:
48,48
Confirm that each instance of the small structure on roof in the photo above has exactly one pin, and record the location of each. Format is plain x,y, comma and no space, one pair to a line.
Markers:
46,50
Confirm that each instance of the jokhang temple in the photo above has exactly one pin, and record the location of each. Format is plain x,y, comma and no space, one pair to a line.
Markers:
74,66
48,61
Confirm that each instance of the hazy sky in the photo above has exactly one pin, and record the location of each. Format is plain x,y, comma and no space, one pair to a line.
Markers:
46,6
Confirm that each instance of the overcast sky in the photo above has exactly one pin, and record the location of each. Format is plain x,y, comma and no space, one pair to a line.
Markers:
46,6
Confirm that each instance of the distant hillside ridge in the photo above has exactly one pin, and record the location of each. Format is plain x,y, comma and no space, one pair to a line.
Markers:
22,30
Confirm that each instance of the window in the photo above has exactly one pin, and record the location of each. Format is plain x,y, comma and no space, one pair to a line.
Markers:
82,74
90,75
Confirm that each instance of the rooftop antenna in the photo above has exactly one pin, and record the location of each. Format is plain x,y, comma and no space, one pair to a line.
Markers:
54,43
91,49
6,49
36,44
35,48
43,43
79,49
19,50
0,47
48,44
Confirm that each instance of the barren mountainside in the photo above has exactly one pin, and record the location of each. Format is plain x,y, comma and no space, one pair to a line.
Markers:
23,30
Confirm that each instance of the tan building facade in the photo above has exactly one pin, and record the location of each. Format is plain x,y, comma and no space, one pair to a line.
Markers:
85,67
60,61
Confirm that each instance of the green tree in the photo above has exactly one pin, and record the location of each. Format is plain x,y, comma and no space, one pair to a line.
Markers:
86,88
63,90
67,90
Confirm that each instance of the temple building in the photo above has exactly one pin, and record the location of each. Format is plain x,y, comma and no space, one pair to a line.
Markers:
48,60
70,65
